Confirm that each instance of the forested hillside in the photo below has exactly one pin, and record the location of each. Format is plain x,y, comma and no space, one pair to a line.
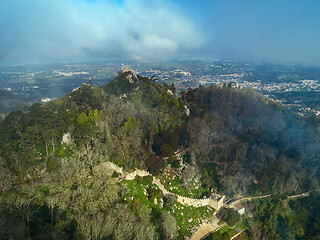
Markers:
256,145
52,157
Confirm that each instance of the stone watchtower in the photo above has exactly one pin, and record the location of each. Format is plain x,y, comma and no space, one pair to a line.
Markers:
216,201
126,69
131,75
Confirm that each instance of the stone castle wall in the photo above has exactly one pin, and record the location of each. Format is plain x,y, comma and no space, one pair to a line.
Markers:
216,203
137,172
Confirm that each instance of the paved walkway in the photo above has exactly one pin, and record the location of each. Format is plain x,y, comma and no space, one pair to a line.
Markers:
203,231
206,229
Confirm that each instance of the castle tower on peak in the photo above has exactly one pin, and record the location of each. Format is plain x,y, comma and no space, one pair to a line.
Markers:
126,69
132,77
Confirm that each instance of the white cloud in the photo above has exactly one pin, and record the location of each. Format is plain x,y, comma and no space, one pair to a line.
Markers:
37,30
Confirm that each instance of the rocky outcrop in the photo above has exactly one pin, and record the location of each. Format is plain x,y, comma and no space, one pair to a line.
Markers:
66,138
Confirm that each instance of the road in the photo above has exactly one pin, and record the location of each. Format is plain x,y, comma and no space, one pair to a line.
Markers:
306,194
247,199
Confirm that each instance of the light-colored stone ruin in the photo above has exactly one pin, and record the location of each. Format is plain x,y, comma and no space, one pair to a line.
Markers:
126,69
132,77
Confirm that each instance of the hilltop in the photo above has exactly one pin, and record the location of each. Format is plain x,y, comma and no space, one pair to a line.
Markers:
210,140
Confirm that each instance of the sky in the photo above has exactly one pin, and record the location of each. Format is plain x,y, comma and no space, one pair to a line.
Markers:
275,31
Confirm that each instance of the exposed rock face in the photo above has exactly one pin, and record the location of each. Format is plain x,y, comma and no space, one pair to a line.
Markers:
170,92
132,78
66,138
187,111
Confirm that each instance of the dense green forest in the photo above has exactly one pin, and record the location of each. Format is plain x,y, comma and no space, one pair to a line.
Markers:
235,141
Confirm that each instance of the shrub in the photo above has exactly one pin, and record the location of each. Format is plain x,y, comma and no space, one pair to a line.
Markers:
155,165
231,216
144,180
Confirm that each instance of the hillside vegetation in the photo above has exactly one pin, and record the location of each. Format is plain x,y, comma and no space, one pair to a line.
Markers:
256,145
235,141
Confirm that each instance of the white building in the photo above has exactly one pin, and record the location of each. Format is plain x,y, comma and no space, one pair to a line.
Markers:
45,100
240,208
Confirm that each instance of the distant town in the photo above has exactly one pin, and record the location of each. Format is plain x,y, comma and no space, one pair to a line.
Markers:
293,86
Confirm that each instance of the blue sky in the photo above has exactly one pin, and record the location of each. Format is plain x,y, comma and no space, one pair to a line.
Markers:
279,31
